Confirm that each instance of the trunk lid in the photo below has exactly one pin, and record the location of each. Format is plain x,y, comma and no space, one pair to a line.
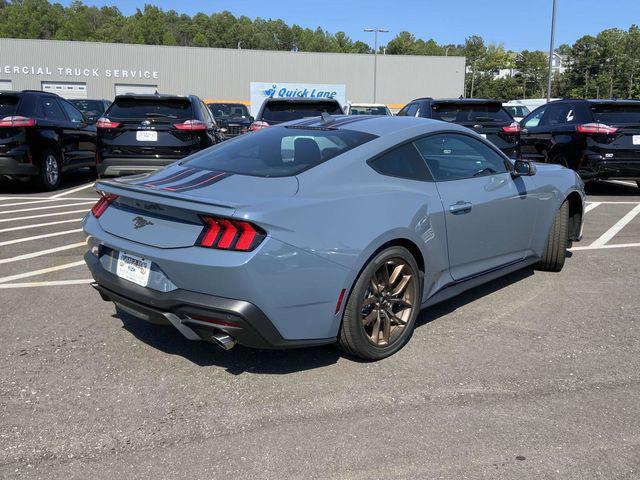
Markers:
163,209
624,144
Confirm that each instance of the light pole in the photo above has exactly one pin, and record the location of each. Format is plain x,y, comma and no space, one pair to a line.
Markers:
375,56
553,33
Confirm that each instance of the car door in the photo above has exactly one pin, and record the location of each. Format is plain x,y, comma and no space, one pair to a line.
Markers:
489,215
59,126
84,134
532,136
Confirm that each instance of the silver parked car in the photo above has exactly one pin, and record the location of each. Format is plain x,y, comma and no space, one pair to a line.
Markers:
326,230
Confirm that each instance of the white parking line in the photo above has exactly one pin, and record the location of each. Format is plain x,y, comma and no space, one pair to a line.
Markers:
44,208
620,224
29,217
42,271
34,201
95,199
73,190
27,256
37,237
618,245
46,284
591,206
38,225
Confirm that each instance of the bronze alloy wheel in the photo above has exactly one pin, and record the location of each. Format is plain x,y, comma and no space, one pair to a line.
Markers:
388,302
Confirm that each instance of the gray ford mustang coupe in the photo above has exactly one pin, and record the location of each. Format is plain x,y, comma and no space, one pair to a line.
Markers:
326,230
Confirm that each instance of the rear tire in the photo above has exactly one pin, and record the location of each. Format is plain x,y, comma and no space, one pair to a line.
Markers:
556,250
49,174
382,308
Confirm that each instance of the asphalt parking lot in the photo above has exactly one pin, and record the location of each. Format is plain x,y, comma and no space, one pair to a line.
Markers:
534,376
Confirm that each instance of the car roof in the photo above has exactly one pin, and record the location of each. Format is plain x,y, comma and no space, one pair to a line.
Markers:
149,96
301,100
354,104
472,101
378,125
19,92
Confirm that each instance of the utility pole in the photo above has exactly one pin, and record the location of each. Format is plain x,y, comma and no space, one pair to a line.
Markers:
375,56
553,33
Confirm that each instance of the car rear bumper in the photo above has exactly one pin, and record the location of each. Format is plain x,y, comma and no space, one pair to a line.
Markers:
115,166
197,316
595,167
14,167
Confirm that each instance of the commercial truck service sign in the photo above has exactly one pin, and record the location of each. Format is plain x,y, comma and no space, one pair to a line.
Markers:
262,90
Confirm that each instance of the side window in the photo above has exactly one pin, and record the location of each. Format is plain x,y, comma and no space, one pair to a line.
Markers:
534,119
409,110
403,162
206,113
558,115
455,157
52,110
72,112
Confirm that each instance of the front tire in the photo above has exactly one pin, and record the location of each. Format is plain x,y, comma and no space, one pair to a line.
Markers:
556,250
50,174
382,308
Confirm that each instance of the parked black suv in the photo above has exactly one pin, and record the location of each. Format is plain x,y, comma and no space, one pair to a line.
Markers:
141,133
92,109
600,139
42,136
279,110
232,118
486,117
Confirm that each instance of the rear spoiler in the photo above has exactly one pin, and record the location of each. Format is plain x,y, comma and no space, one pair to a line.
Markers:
145,194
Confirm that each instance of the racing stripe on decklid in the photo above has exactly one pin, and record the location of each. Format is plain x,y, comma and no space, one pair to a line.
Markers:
199,181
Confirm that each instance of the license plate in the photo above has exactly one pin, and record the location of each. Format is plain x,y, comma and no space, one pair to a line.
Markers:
636,139
133,268
147,136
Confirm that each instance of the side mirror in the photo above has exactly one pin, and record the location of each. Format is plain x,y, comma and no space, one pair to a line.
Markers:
251,119
523,168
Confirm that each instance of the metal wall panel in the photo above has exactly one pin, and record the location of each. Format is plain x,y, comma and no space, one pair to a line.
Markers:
214,73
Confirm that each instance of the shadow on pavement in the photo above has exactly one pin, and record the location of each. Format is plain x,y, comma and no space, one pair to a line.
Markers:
612,189
71,179
278,362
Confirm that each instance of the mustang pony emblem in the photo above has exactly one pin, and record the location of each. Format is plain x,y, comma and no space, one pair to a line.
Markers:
139,222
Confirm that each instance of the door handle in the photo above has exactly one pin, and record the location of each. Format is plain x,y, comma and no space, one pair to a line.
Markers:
460,207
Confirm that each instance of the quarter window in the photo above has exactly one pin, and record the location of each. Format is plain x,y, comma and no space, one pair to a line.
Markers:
455,157
403,162
410,110
73,113
52,110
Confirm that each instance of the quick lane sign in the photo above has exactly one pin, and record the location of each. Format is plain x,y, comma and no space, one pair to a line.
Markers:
262,90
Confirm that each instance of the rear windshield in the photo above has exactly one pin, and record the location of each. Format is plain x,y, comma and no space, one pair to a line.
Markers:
470,113
620,114
8,105
151,108
355,110
276,112
278,151
89,105
228,110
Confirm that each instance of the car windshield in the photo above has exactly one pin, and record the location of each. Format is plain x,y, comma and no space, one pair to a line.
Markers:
373,110
8,105
517,110
278,151
228,110
88,105
131,107
277,112
617,114
470,113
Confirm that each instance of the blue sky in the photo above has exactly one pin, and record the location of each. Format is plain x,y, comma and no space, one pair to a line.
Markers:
518,24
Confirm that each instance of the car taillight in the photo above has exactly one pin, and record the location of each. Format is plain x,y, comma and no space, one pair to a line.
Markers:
227,234
102,204
596,128
513,128
258,125
17,121
106,123
191,125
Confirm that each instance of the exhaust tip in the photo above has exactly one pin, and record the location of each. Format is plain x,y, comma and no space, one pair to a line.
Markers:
224,341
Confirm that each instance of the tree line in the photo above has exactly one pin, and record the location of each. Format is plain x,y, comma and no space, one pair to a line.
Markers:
605,65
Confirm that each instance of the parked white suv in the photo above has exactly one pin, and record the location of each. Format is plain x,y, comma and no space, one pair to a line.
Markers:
367,109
